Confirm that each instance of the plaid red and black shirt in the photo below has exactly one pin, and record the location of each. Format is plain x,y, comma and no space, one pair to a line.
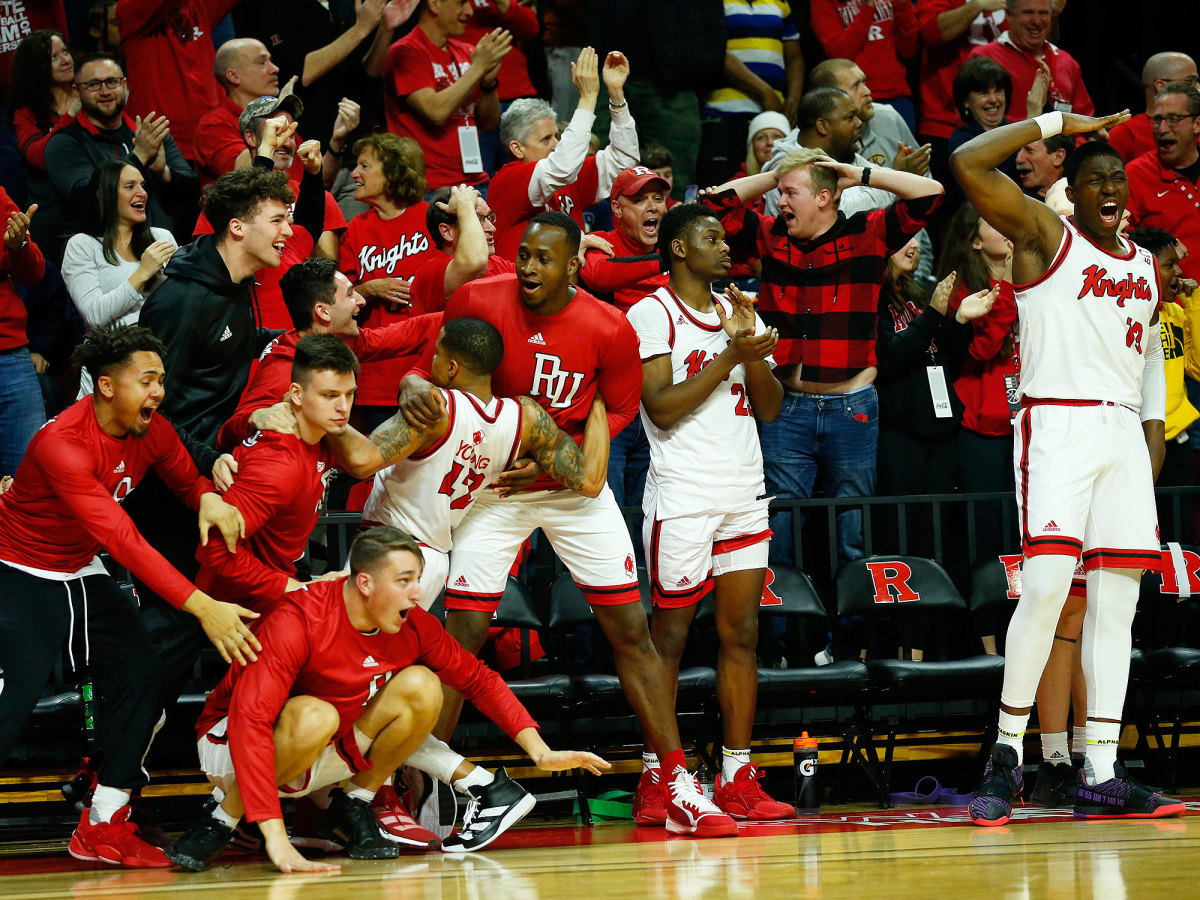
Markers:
823,294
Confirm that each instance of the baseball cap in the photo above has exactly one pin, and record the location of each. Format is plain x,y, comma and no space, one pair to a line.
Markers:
635,179
261,107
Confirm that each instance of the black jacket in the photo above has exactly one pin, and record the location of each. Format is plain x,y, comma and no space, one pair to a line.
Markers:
208,323
909,342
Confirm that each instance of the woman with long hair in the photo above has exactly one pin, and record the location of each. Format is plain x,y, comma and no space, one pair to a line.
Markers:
114,263
383,248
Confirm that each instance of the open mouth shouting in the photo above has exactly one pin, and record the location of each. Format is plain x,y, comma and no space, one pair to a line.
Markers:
650,228
1110,213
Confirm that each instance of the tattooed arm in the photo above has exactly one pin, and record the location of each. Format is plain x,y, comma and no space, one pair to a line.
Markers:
394,440
583,470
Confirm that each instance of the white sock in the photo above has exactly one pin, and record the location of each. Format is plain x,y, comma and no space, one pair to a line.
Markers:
731,761
477,777
360,793
225,818
436,758
1103,738
1079,740
105,802
1054,749
1011,732
649,761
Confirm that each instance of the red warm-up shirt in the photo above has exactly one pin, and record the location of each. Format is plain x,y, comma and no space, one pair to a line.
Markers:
405,338
311,649
24,266
508,195
65,503
981,382
278,490
413,63
941,60
522,22
560,360
875,39
375,248
429,284
169,54
628,275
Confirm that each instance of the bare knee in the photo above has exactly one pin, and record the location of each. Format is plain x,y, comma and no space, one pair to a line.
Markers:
738,633
306,722
469,627
626,630
418,689
1070,620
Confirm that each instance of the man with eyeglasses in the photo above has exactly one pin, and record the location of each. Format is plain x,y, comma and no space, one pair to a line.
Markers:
1133,138
1162,185
102,130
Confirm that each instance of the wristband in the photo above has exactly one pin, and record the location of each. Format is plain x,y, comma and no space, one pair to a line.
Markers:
866,176
489,88
1050,123
621,105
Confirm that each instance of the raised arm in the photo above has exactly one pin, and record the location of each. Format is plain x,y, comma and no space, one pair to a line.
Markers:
1032,226
583,470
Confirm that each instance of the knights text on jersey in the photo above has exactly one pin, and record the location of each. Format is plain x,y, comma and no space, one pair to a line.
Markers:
681,480
278,490
428,494
559,360
1084,323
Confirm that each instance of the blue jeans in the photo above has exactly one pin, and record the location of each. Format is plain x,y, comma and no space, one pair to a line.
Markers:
22,412
834,434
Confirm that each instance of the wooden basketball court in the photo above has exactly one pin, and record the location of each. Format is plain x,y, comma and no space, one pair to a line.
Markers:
919,853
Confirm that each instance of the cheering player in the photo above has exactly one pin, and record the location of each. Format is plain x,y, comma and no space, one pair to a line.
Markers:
707,371
297,722
62,510
561,347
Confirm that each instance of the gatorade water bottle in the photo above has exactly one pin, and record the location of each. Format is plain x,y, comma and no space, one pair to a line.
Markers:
804,755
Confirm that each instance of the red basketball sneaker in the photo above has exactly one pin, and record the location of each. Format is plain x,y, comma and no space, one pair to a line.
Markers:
116,843
690,812
744,797
649,804
397,823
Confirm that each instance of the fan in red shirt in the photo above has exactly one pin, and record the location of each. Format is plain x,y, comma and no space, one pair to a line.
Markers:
548,173
383,249
463,228
281,480
439,90
321,300
522,22
561,346
634,270
949,29
298,722
1133,138
61,512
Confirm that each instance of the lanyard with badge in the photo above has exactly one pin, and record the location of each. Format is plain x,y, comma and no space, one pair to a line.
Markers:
1012,381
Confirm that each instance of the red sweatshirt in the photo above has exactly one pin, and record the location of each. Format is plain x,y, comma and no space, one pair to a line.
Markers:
523,23
311,649
24,266
405,338
65,503
628,275
981,383
875,39
169,54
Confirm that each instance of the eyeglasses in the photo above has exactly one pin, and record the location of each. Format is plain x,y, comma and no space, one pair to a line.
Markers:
1171,119
96,83
1188,79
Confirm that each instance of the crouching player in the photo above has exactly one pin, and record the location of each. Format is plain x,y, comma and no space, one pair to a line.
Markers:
296,722
706,376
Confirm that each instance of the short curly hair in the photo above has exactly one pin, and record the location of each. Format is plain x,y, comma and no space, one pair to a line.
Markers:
238,194
403,165
107,348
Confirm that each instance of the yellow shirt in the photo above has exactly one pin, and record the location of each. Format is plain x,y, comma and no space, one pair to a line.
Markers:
1180,354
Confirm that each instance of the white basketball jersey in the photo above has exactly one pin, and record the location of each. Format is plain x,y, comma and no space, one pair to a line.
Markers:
711,459
428,494
1084,324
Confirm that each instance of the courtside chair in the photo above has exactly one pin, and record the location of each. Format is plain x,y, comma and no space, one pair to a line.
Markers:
900,586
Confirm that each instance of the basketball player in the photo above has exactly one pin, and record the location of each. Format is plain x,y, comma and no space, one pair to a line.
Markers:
298,723
706,370
562,347
64,508
1092,393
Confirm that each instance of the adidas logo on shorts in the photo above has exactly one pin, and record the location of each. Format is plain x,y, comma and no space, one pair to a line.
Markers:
461,581
370,663
1051,526
683,582
538,339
